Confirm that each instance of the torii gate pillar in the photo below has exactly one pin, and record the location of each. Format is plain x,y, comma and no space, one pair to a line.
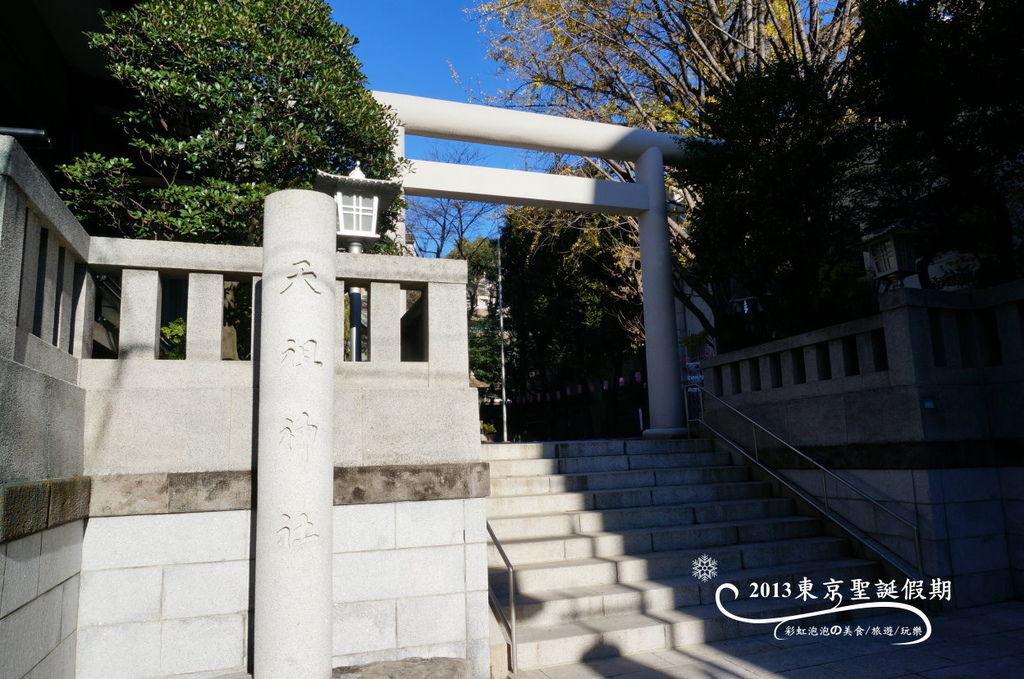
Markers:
664,393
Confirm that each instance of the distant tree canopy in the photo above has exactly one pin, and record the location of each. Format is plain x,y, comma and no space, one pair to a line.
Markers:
827,120
776,222
657,65
940,85
481,257
234,99
570,319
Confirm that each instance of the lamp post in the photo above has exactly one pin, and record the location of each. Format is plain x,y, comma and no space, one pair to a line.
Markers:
360,201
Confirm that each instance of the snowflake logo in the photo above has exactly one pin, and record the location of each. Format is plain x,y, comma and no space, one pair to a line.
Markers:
705,568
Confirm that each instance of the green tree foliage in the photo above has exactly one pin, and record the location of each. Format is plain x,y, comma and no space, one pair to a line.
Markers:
941,83
481,257
234,99
776,216
173,338
570,319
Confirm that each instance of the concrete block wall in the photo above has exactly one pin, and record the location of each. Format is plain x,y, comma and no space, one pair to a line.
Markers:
169,595
166,449
969,522
164,595
39,593
45,311
410,580
1012,485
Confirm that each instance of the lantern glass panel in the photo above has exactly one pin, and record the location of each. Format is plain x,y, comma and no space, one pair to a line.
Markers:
358,213
885,257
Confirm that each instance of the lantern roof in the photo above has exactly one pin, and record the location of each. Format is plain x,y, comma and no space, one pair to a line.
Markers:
356,182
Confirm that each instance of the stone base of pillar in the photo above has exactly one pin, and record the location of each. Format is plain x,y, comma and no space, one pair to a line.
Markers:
668,433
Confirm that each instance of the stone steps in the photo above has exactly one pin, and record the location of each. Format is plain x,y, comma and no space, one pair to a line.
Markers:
620,498
603,535
599,637
653,539
569,523
566,605
560,483
605,463
625,568
594,448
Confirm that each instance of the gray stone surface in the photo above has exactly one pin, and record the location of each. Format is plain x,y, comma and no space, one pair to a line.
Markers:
190,257
438,425
15,164
64,302
84,312
42,425
12,238
205,316
141,296
127,494
387,304
400,483
209,491
209,407
410,668
292,577
46,320
447,348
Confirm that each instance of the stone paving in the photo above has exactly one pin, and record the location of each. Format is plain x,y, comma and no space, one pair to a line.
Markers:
977,643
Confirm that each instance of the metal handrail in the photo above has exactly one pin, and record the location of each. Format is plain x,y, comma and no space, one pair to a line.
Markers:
508,628
827,510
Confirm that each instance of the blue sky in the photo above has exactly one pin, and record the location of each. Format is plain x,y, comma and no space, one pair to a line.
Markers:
407,46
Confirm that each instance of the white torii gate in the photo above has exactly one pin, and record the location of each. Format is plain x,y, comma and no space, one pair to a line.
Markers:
644,199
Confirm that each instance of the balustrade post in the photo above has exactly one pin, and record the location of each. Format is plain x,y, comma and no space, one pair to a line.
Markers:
140,314
12,239
205,320
385,322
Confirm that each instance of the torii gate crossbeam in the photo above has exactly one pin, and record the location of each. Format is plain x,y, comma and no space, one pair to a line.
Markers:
644,199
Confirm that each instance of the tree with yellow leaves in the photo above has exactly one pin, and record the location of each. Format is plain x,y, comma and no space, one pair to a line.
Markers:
653,64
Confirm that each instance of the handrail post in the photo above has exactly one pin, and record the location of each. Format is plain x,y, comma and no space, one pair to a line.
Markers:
510,622
512,626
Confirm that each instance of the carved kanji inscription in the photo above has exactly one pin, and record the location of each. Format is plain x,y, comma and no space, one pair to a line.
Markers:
296,532
297,434
303,274
295,354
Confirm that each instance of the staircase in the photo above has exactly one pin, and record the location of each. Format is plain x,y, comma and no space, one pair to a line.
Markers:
603,534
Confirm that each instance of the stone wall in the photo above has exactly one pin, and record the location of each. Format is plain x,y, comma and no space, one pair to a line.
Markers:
132,476
964,527
39,603
919,407
170,594
44,298
933,366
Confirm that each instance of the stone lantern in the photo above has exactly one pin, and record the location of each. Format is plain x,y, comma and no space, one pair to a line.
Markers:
892,252
360,202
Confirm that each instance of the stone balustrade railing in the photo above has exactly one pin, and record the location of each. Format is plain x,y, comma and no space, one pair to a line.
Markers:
415,339
933,365
45,295
398,405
